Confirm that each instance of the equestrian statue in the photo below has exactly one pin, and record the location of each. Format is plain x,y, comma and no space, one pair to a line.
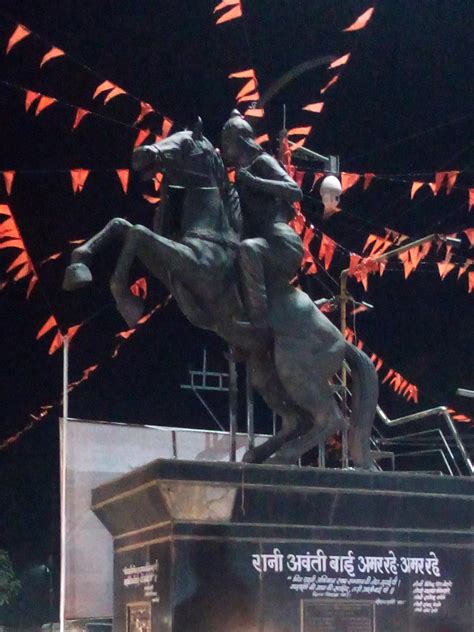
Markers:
228,255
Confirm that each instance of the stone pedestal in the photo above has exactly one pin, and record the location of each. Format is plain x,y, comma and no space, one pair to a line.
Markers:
219,547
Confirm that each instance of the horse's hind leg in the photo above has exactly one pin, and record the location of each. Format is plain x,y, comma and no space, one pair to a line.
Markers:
266,381
328,420
161,256
78,273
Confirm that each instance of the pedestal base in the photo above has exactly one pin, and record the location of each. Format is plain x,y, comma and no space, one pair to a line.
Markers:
214,547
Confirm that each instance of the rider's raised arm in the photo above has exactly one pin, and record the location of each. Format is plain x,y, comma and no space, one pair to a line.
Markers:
268,176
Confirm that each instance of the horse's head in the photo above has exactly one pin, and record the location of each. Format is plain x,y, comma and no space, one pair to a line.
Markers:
187,159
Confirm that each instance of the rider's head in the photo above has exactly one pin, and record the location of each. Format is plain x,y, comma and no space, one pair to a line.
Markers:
238,139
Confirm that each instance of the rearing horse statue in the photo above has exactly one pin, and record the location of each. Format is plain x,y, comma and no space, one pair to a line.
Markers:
197,261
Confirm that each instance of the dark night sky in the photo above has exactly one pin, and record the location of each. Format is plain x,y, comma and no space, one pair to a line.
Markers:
403,105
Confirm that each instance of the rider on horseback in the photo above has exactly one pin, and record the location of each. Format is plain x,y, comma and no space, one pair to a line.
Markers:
270,248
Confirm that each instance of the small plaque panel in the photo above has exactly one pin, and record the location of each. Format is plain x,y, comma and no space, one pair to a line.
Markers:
139,617
325,615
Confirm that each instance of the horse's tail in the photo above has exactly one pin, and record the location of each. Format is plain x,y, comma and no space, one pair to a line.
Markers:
365,394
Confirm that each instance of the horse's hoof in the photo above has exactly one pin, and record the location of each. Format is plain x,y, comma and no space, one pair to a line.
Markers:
279,459
129,306
131,309
77,275
250,456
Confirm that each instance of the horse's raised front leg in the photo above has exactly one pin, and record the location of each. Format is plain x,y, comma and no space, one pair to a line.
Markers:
78,273
161,256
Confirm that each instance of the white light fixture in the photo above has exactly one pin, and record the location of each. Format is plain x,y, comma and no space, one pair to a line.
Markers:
330,190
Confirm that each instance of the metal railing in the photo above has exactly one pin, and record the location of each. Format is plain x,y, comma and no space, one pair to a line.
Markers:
445,450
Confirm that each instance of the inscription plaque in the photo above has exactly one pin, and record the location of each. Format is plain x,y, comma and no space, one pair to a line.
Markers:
326,615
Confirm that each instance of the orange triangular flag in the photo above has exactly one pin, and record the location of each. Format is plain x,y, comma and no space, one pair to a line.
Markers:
233,14
348,180
368,178
315,107
354,262
414,188
224,4
299,131
445,268
255,112
49,324
31,97
166,128
264,138
439,180
326,251
471,198
254,96
80,114
330,83
452,176
20,33
114,93
340,61
464,268
471,282
470,235
142,134
124,176
31,285
44,103
79,177
243,74
298,144
57,343
151,199
9,176
370,240
139,288
250,86
24,271
11,242
361,21
72,331
53,53
105,85
145,109
21,259
388,376
408,265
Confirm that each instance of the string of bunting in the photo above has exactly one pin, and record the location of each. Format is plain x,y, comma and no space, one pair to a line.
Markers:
22,266
442,180
41,102
360,23
78,176
106,87
139,288
396,380
249,92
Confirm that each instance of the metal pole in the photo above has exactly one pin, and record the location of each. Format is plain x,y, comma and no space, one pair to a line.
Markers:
322,454
232,408
63,488
250,408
